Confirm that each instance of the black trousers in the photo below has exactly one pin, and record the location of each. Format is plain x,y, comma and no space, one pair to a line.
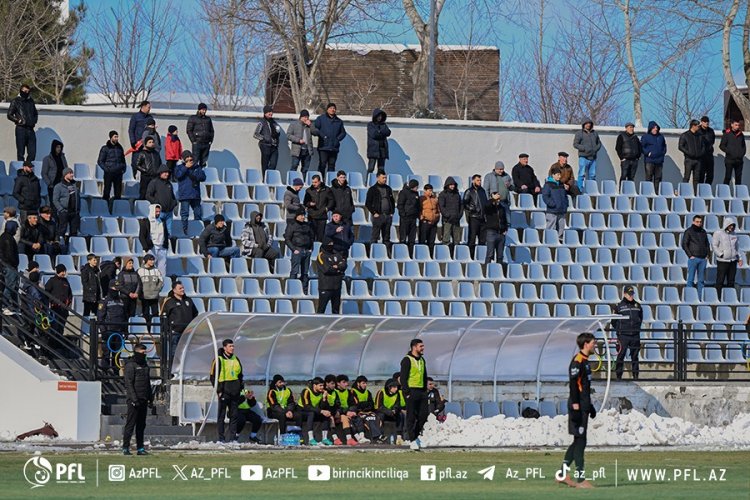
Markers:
692,166
136,420
269,156
246,415
416,413
327,161
381,227
143,185
654,173
89,308
627,343
304,160
68,223
308,420
725,271
736,166
628,168
25,142
130,306
319,228
707,169
332,296
575,454
200,153
371,162
149,309
280,415
227,405
427,234
477,230
495,246
112,181
407,231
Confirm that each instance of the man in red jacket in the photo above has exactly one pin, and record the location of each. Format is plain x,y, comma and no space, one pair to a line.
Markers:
173,149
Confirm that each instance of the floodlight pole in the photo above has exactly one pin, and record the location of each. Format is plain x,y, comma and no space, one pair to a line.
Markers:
431,57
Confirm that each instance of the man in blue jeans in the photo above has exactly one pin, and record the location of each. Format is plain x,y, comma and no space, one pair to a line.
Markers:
587,143
696,246
216,240
189,175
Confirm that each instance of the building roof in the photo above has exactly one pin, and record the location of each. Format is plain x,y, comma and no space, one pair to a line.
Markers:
364,48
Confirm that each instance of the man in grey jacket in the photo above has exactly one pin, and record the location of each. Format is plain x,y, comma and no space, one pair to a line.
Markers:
151,283
727,254
587,143
292,203
67,201
299,134
498,181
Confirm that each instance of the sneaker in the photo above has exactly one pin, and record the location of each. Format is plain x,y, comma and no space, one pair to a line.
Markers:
337,442
327,442
253,440
567,481
8,312
414,445
351,442
363,440
399,441
126,452
313,442
141,452
584,484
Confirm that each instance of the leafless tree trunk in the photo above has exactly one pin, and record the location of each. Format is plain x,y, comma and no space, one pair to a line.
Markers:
420,73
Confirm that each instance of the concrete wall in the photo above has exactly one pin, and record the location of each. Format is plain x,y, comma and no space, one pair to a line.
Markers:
445,147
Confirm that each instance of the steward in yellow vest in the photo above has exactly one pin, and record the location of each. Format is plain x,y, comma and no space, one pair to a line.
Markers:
228,388
414,385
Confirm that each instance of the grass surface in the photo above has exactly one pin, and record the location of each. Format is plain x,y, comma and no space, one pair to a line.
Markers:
681,469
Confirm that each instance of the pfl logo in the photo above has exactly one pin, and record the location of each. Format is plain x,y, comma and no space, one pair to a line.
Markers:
38,472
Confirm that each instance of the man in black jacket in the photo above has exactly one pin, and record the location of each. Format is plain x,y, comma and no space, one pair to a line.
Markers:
136,127
178,311
524,178
628,147
409,209
451,210
377,140
91,283
734,147
147,165
58,287
340,233
200,131
380,204
475,201
693,146
10,261
343,201
696,246
108,271
27,190
497,228
267,134
318,201
112,161
707,160
160,192
229,386
414,385
32,237
22,111
331,270
139,398
112,319
299,239
66,199
216,241
628,331
330,131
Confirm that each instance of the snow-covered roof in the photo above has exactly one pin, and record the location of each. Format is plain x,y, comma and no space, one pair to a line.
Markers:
181,100
364,48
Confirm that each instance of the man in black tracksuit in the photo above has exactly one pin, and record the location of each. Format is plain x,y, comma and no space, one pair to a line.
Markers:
331,270
414,385
140,397
629,150
409,209
734,147
693,146
628,331
22,111
318,201
178,311
475,201
380,204
707,160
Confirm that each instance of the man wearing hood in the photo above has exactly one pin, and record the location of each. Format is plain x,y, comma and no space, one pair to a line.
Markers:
343,200
292,203
299,239
587,143
451,210
734,147
147,165
256,240
409,209
629,150
153,235
475,201
53,166
377,140
696,246
707,160
139,398
27,190
331,269
379,202
330,132
22,111
200,131
112,161
693,147
498,181
48,228
10,261
227,378
66,198
654,148
556,198
299,134
340,233
318,201
178,311
160,192
267,134
108,271
10,213
727,252
150,131
216,240
189,174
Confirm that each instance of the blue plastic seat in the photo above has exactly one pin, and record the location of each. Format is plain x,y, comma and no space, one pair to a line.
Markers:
239,306
521,310
456,309
414,308
622,204
206,287
305,307
510,408
283,306
262,306
232,176
500,310
478,310
393,308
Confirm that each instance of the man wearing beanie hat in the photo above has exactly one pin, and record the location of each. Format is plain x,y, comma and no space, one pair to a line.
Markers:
377,140
629,150
189,174
280,404
707,160
149,161
136,127
112,161
216,240
299,134
150,131
58,287
160,192
409,210
66,198
628,331
173,148
380,203
27,190
292,203
200,131
267,134
499,181
299,239
330,132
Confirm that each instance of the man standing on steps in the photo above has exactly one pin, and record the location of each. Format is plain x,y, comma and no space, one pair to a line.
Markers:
229,388
139,398
414,385
628,331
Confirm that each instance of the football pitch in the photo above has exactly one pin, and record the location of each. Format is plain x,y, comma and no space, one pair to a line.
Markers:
454,474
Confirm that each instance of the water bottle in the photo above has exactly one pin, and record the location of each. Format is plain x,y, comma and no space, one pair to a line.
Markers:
391,440
276,440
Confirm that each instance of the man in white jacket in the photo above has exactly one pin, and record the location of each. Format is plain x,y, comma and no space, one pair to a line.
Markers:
727,254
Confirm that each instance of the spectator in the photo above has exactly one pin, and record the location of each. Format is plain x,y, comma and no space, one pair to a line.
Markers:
10,261
178,311
409,209
22,111
200,131
267,134
654,148
108,271
10,213
475,201
389,409
330,132
66,199
567,178
727,254
53,166
130,287
152,280
343,201
27,190
498,181
91,283
112,320
692,145
556,198
587,143
280,403
292,203
696,246
216,240
150,131
112,162
331,269
58,287
318,202
256,240
153,235
32,239
34,299
160,192
497,228
450,205
229,386
435,401
340,233
380,203
707,160
377,140
299,239
524,178
189,175
147,165
629,150
733,145
628,331
173,149
429,217
48,227
135,130
299,134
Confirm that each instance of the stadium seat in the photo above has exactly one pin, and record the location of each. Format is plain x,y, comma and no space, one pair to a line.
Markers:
510,409
490,409
453,408
472,409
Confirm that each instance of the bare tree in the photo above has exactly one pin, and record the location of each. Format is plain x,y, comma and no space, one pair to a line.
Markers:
133,50
363,92
420,73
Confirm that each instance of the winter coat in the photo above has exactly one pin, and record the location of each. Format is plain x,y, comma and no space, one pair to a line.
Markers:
343,201
450,203
112,159
111,314
377,136
31,234
173,149
299,236
9,250
587,143
429,209
654,147
144,231
725,244
160,192
189,181
22,112
179,312
524,176
138,380
61,197
695,242
330,277
151,282
107,272
267,132
709,139
475,199
330,131
214,237
555,196
567,177
51,172
255,235
292,203
151,132
295,133
373,201
322,199
130,282
343,240
733,145
228,388
200,129
27,189
408,203
496,219
137,125
628,146
91,282
494,183
59,289
148,162
692,145
632,317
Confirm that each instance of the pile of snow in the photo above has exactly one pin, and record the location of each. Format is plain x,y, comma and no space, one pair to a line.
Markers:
610,428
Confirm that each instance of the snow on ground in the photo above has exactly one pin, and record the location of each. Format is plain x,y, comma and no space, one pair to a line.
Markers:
610,428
